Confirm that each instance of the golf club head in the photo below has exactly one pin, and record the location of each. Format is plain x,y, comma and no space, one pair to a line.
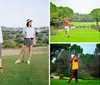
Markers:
24,61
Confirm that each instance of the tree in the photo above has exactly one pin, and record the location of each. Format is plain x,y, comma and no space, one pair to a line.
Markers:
57,14
95,13
63,56
81,18
78,49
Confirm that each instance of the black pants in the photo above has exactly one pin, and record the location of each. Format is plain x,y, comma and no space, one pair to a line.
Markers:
74,75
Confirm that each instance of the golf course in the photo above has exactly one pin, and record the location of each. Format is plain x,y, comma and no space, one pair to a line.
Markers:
81,82
62,71
23,74
80,27
77,35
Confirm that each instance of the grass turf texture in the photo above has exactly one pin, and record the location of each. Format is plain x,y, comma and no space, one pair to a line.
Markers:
77,35
81,82
23,74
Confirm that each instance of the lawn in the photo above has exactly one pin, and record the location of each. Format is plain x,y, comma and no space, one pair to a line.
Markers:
77,35
23,74
81,82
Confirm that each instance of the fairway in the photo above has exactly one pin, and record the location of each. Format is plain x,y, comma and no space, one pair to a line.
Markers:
23,74
81,82
77,35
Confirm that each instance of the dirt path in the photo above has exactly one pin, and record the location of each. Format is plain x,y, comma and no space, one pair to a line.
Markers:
36,50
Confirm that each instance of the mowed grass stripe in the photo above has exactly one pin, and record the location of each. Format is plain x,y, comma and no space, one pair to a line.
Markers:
77,35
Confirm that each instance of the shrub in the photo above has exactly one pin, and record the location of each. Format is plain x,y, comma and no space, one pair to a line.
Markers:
52,30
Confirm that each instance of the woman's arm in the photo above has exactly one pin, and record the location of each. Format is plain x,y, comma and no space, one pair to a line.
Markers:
1,37
76,60
34,37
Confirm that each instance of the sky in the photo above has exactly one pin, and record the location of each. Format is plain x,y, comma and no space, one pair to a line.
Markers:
88,48
14,13
80,6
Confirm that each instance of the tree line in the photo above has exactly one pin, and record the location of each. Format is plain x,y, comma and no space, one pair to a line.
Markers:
13,39
58,13
88,63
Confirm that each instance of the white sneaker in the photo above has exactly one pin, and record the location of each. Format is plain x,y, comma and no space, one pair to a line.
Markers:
18,61
28,62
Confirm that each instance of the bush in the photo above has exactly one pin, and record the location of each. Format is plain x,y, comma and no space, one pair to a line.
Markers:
10,45
46,41
95,27
19,40
52,30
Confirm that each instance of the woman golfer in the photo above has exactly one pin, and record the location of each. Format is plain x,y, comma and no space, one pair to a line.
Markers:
74,62
29,38
1,41
67,21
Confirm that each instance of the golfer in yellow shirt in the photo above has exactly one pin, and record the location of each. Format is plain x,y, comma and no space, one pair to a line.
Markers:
74,62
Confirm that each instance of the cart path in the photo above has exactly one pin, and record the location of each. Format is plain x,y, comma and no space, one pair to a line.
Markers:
8,52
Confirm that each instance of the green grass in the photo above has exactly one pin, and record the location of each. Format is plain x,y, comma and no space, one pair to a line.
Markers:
81,82
77,35
23,74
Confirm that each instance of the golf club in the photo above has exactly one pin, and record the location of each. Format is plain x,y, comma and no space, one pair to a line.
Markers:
60,54
69,68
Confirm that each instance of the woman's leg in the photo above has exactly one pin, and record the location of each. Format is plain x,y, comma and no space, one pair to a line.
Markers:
73,73
76,75
21,54
0,62
30,54
1,70
67,32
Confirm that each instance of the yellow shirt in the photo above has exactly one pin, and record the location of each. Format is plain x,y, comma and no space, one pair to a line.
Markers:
74,64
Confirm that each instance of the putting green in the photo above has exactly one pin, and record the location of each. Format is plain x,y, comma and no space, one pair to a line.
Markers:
77,35
81,82
23,74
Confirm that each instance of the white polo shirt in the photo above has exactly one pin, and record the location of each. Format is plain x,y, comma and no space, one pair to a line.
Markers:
1,38
28,32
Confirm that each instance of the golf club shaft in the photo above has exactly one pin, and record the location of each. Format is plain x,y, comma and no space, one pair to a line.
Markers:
69,68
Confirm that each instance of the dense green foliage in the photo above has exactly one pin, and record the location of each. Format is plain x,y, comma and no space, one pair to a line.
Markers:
81,18
88,63
57,14
95,13
13,39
